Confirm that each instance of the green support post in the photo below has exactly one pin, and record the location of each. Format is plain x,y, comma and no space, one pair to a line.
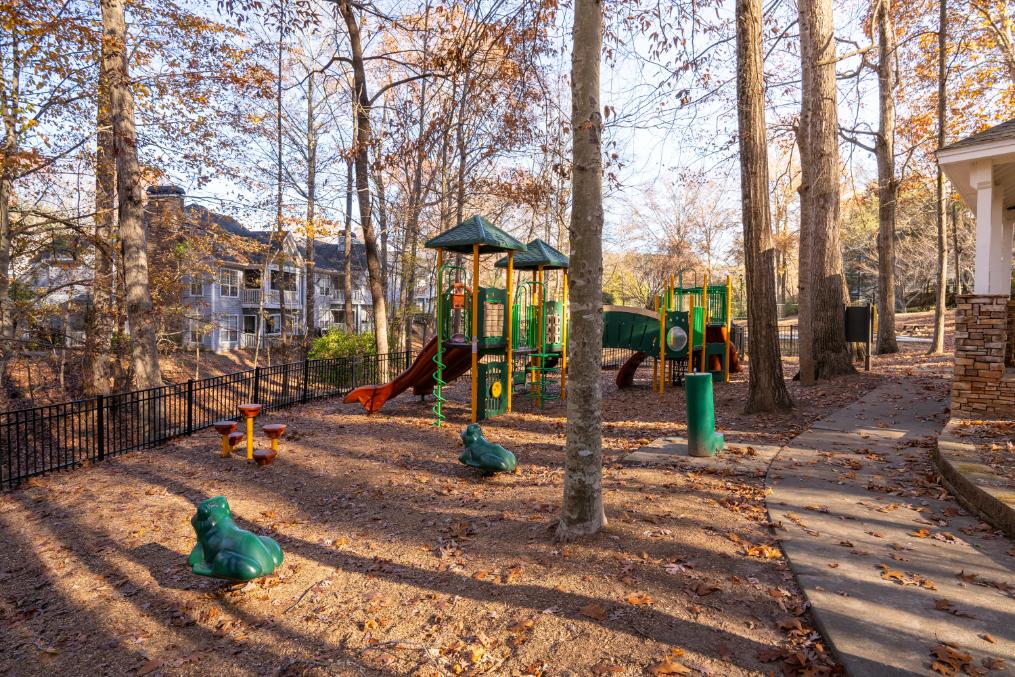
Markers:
702,439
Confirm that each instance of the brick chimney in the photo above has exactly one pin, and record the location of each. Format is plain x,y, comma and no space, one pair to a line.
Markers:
163,214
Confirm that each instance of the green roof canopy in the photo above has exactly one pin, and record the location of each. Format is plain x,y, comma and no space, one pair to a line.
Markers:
538,253
473,231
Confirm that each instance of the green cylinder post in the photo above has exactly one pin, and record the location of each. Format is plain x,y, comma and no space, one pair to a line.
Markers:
702,439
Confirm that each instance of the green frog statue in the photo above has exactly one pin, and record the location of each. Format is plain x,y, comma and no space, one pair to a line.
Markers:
485,455
226,551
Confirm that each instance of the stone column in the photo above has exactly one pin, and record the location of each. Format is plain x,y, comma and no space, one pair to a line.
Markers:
981,386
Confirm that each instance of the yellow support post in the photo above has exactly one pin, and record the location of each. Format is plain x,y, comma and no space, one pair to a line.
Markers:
475,332
510,327
704,323
539,335
729,322
564,320
662,349
690,336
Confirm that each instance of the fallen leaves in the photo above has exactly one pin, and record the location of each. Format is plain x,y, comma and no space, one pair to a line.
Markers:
905,577
702,589
668,666
595,611
942,604
948,660
639,599
763,551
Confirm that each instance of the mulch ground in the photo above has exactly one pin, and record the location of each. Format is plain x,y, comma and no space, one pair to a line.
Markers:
399,560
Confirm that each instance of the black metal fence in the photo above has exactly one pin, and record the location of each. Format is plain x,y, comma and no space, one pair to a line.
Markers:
614,357
64,436
788,341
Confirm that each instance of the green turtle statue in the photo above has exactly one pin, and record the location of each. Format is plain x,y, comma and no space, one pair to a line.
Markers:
485,455
226,551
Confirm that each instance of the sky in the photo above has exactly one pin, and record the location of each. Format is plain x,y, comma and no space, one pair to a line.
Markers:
693,139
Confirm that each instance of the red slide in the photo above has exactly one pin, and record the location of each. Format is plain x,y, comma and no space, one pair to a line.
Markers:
717,334
419,377
625,375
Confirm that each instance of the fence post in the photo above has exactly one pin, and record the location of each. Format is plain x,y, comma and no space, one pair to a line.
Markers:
257,386
353,381
306,378
190,406
100,422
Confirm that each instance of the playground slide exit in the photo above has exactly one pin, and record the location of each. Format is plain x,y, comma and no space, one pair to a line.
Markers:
419,377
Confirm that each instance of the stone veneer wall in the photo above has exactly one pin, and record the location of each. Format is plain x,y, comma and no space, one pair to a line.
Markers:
1009,358
981,387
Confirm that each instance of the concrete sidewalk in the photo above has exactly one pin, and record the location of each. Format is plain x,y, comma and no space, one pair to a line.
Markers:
890,563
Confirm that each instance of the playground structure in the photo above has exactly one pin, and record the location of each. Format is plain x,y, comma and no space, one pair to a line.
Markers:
232,437
690,330
514,339
509,339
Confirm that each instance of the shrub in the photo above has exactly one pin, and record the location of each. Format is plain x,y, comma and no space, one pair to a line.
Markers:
339,343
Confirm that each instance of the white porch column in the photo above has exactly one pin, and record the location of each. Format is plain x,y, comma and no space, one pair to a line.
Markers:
993,233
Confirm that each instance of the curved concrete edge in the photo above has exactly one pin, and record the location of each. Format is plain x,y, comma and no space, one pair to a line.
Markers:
972,483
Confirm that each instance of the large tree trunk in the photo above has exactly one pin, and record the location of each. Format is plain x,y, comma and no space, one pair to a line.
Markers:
309,274
140,315
350,326
823,352
98,365
937,344
361,160
767,388
6,239
888,185
382,208
11,83
582,511
279,226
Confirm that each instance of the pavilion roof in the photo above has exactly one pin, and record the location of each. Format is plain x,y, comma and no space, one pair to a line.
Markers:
472,231
537,253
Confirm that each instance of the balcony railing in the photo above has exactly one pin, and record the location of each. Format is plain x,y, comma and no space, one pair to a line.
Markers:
252,297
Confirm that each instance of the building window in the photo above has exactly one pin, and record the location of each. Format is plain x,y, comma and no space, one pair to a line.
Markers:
229,282
273,325
283,280
324,285
231,328
251,279
196,286
196,330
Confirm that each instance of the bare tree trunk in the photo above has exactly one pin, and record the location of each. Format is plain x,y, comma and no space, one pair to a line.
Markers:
382,208
767,388
825,353
98,370
6,240
347,261
140,314
8,154
937,344
582,512
361,158
279,226
309,270
462,152
888,185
